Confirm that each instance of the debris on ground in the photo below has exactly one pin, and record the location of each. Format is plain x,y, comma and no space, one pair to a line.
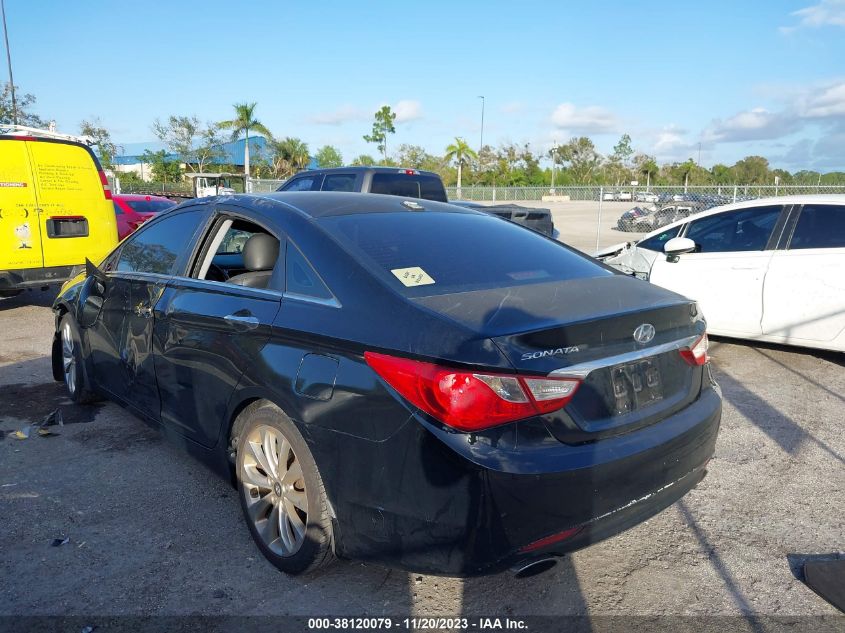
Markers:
54,418
57,542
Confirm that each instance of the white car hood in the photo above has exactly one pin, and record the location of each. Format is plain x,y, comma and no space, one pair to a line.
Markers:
630,259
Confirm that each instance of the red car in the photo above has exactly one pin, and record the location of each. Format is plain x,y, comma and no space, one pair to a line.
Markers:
133,210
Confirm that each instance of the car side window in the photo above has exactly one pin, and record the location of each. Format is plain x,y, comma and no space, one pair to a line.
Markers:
156,247
300,277
740,230
656,242
339,182
819,226
303,183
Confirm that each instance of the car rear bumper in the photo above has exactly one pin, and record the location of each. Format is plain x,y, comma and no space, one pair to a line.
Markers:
454,504
34,277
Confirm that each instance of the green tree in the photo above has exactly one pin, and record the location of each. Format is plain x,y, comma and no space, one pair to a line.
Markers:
328,156
106,149
24,103
195,144
163,166
722,174
382,127
581,158
290,155
461,153
243,122
364,160
752,170
646,167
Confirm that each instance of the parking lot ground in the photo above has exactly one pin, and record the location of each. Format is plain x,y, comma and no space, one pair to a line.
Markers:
577,222
150,532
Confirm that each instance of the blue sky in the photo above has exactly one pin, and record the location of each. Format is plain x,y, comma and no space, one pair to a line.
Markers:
763,77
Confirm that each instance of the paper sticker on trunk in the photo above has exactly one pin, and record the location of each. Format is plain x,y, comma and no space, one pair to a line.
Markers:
413,276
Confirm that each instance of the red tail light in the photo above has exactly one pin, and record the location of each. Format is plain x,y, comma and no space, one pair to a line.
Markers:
470,401
551,540
105,182
696,354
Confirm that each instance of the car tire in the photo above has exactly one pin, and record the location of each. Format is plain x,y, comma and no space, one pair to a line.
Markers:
281,491
72,364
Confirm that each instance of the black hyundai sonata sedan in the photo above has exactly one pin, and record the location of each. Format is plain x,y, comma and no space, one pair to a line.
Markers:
400,381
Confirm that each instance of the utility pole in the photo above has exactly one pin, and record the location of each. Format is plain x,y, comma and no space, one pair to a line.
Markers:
699,153
9,62
481,143
554,164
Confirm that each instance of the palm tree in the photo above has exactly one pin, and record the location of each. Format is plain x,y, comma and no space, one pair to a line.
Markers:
460,152
290,155
245,121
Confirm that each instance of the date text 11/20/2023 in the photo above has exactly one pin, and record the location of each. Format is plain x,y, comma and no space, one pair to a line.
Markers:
417,623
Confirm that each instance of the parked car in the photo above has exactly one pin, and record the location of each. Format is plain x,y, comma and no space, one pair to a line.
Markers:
647,196
627,220
55,208
133,210
665,215
608,196
398,381
770,269
535,218
624,196
409,183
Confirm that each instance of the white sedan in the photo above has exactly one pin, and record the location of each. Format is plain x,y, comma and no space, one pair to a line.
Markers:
770,269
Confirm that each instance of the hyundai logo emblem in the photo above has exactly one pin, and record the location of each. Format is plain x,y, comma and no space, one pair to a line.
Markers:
644,333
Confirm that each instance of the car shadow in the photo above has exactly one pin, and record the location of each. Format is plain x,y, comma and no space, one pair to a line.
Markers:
783,430
30,298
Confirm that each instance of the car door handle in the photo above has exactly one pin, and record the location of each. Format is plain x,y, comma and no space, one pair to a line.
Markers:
242,321
144,311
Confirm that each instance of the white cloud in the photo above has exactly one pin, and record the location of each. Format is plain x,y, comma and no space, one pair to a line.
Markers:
339,116
752,125
408,110
587,120
827,102
825,13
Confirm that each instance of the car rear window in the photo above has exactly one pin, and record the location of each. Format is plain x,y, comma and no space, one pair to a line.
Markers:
432,253
150,206
409,185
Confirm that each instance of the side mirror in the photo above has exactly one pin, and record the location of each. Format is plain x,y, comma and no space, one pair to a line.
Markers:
679,246
676,247
91,295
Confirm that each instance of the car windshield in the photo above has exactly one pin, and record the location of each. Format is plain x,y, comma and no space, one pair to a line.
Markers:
150,206
432,253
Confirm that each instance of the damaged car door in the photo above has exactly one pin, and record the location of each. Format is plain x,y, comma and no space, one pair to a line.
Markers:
121,338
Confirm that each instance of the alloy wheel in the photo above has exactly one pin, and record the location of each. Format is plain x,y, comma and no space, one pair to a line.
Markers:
69,358
274,489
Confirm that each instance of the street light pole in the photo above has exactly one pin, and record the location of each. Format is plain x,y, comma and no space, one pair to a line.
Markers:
554,163
481,143
9,62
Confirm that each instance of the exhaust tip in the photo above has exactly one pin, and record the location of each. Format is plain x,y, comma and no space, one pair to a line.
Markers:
534,567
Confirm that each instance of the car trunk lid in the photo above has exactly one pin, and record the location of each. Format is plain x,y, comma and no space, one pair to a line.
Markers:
586,328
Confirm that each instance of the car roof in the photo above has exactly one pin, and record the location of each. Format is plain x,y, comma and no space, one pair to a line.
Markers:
319,204
830,198
365,168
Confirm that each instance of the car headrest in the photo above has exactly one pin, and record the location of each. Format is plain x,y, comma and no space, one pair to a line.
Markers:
261,252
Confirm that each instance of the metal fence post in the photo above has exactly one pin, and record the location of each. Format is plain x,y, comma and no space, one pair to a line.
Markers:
734,193
598,223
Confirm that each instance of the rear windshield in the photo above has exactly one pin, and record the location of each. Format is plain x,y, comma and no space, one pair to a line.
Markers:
432,253
409,185
150,206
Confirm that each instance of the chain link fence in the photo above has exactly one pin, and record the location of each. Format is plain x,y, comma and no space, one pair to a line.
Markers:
716,194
